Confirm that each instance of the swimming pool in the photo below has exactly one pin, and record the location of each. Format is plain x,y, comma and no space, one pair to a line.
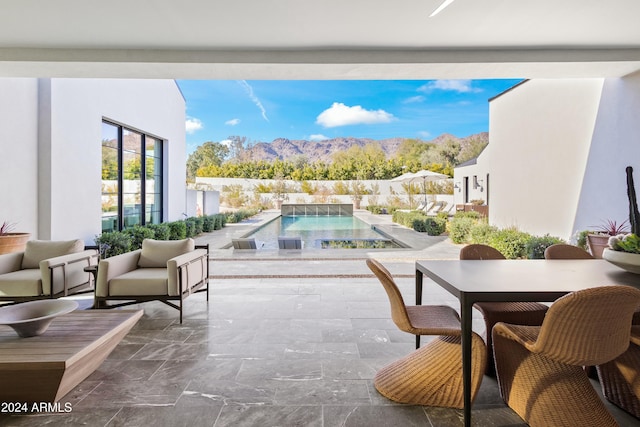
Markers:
323,232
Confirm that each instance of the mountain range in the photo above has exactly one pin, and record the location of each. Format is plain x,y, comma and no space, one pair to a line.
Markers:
285,149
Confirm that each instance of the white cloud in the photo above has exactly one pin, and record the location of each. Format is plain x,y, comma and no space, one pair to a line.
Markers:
253,98
460,86
232,122
318,137
424,134
341,115
226,142
414,99
192,125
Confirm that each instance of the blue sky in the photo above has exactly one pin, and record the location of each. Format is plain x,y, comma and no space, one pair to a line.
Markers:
263,110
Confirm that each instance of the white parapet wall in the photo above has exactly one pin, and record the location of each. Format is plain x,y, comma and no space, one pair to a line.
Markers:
385,188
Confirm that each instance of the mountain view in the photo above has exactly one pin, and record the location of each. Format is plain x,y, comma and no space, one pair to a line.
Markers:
286,149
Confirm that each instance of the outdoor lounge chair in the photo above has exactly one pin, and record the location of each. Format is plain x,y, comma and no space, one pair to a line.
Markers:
163,270
289,242
431,375
436,208
46,269
540,369
244,243
519,313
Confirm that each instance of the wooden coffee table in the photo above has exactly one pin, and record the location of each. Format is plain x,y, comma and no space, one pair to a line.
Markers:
46,367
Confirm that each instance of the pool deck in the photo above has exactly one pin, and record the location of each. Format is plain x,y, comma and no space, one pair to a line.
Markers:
401,260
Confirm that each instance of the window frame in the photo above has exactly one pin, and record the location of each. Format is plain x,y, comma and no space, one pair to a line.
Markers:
158,179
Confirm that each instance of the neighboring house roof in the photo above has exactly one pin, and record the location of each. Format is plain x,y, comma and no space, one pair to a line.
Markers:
469,162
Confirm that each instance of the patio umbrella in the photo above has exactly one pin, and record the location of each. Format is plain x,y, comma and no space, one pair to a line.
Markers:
403,177
422,175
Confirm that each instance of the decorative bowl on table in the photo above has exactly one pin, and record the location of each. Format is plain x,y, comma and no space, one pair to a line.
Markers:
32,318
625,260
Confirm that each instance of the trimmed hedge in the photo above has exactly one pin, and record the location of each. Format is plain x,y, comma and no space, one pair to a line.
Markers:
511,242
481,232
460,229
138,233
240,214
160,231
113,243
406,218
177,230
433,226
537,244
118,242
378,209
471,227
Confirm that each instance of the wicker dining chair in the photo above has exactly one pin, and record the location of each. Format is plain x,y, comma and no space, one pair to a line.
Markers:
539,368
432,374
564,251
620,378
417,319
519,313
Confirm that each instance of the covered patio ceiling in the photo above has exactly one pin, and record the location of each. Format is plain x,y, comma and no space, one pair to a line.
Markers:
330,39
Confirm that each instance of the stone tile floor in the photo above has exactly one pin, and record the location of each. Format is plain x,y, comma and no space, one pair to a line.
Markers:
266,352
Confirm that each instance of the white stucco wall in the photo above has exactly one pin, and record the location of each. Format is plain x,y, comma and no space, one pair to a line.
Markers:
615,145
18,144
557,154
540,135
56,125
468,172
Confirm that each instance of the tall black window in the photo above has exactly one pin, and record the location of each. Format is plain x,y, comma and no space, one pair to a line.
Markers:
131,178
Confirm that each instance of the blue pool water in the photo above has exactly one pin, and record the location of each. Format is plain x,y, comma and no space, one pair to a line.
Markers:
322,232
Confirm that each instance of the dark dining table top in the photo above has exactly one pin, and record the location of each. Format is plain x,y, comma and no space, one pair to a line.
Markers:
528,277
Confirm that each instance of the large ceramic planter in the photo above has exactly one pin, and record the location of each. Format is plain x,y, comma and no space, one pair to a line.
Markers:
597,244
625,260
13,242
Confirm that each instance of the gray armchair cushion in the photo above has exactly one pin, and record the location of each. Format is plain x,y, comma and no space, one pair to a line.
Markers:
10,262
21,283
143,281
39,250
156,253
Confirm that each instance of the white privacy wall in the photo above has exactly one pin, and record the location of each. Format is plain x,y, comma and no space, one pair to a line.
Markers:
615,145
52,128
540,136
18,145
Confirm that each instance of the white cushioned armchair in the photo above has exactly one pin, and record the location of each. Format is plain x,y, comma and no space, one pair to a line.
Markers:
163,270
46,269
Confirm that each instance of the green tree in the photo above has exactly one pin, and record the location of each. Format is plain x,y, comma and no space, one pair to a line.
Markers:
206,155
472,150
109,163
237,147
411,151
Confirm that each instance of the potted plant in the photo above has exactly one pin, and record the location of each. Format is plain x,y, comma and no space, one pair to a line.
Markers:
357,191
624,249
11,241
598,239
279,191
